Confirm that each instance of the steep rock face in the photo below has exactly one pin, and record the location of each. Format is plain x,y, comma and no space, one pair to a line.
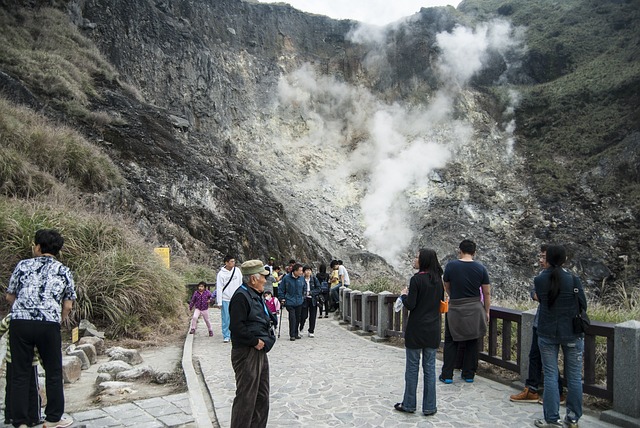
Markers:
193,194
232,73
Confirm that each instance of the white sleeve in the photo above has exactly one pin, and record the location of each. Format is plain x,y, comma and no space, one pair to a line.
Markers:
219,287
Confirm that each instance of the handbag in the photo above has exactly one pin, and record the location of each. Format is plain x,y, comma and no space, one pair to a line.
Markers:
581,321
444,304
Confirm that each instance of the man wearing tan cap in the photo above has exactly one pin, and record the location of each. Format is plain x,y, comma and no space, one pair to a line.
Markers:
251,338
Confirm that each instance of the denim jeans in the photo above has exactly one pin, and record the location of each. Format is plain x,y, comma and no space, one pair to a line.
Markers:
411,379
572,351
226,334
535,366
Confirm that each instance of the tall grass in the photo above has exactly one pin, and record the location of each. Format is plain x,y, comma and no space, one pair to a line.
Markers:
34,152
120,284
43,49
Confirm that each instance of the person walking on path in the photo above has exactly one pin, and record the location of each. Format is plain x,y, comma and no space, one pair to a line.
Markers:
530,393
252,336
335,284
227,282
561,297
467,319
310,304
291,292
422,334
323,298
200,301
41,293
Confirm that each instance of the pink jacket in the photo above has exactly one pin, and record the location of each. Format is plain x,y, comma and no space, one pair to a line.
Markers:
273,305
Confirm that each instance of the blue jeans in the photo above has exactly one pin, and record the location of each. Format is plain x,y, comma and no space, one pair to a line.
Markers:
572,351
411,379
226,334
535,366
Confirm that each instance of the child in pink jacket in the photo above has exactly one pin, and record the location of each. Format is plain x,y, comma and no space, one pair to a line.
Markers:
200,301
272,303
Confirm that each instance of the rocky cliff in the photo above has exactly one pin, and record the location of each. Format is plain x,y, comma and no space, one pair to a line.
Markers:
262,130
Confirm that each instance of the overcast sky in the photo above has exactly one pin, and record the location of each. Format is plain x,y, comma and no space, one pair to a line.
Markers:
377,12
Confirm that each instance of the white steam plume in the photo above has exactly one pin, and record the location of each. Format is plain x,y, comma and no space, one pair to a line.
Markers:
370,154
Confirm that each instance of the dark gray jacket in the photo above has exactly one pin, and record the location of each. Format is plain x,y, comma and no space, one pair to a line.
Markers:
556,322
250,319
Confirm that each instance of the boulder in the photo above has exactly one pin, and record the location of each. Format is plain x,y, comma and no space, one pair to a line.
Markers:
136,373
97,342
161,378
114,367
84,360
131,356
87,329
103,377
90,351
71,368
84,325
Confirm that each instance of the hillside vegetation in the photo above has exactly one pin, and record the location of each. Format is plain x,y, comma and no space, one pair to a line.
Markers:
82,153
51,177
581,111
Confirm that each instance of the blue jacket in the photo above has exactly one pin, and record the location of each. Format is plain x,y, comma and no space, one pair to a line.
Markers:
556,322
292,290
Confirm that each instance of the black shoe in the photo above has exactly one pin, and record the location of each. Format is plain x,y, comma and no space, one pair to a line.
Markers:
292,339
430,413
443,380
399,407
298,337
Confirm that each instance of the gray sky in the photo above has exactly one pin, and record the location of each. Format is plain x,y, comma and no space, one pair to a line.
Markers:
378,12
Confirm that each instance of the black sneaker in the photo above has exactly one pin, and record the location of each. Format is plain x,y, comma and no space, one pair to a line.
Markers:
570,423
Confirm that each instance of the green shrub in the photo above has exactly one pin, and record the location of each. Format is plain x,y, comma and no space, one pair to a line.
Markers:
378,285
120,284
193,273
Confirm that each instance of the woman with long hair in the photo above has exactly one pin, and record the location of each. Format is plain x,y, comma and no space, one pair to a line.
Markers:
422,334
557,290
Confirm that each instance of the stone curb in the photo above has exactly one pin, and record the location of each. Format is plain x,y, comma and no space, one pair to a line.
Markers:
195,390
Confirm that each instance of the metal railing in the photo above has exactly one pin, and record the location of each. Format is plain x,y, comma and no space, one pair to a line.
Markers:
503,340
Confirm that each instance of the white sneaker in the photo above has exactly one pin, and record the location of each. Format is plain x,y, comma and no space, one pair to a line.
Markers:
226,340
311,335
64,421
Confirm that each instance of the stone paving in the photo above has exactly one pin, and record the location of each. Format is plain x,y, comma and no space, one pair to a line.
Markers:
160,412
340,378
170,411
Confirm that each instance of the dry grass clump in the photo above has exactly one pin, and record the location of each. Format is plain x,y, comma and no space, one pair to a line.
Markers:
43,49
34,154
121,285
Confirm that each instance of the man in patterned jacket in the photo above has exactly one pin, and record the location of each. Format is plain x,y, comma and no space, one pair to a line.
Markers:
37,289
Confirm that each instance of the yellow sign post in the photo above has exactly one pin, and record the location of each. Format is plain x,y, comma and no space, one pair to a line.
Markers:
165,255
74,335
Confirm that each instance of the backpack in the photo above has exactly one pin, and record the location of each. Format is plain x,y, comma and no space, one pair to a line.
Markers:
324,287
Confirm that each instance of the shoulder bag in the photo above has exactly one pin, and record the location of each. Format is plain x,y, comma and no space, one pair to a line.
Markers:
230,278
581,321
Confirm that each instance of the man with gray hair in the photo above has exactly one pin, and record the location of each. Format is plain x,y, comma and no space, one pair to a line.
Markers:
252,336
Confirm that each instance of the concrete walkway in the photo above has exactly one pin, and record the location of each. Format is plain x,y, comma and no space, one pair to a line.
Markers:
341,379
